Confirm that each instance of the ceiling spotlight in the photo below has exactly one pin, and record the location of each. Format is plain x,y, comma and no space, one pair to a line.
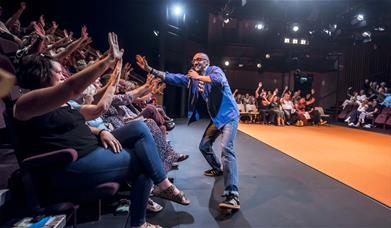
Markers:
303,42
260,26
366,34
177,10
380,29
311,32
295,28
360,17
328,32
259,65
240,65
226,63
156,32
295,41
335,26
286,40
267,56
226,20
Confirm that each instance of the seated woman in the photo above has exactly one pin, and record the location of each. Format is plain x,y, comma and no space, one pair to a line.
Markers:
139,95
262,103
56,125
118,115
369,114
288,108
310,108
353,118
98,124
302,115
277,111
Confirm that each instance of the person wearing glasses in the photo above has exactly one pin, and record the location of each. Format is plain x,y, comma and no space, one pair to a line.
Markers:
208,86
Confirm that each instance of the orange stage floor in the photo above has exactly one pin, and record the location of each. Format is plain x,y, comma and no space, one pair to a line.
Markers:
360,159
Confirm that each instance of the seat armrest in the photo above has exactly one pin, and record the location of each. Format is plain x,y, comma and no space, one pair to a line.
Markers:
58,158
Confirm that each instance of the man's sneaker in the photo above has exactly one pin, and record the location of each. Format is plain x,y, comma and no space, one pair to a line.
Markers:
230,202
367,125
213,173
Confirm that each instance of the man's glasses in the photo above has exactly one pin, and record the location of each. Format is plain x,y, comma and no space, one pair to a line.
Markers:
198,60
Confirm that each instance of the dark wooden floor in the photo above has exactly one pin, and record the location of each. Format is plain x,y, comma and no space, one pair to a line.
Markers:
276,191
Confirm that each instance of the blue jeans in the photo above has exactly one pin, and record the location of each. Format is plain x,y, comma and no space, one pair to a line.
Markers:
228,155
138,162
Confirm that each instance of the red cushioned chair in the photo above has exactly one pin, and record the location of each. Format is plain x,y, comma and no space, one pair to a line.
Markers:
388,122
346,111
381,119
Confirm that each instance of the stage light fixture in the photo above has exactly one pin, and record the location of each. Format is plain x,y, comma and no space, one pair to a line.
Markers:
226,63
240,65
328,32
267,56
303,42
366,34
226,20
295,41
335,26
295,28
156,32
177,10
380,29
360,17
259,65
311,32
260,26
287,40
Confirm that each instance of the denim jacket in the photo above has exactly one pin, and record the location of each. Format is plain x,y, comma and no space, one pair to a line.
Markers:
220,102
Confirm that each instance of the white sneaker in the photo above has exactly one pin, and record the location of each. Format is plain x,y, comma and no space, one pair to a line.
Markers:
356,125
351,124
367,126
347,119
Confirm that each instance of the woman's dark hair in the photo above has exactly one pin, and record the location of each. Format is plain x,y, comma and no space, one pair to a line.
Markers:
34,72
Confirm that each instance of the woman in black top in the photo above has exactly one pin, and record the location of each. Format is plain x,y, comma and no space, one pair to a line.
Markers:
310,108
263,104
44,122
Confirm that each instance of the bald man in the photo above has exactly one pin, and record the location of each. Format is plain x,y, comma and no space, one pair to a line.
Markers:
209,87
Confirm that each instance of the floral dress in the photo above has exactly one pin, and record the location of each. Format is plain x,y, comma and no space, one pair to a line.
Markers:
120,115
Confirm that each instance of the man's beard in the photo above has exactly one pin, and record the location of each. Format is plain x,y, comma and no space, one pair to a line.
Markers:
199,68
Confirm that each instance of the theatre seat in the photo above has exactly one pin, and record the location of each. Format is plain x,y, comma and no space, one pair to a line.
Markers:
6,64
40,198
8,47
346,111
382,118
388,122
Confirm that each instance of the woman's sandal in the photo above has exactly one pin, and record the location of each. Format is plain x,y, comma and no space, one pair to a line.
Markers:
168,194
154,207
149,225
182,157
